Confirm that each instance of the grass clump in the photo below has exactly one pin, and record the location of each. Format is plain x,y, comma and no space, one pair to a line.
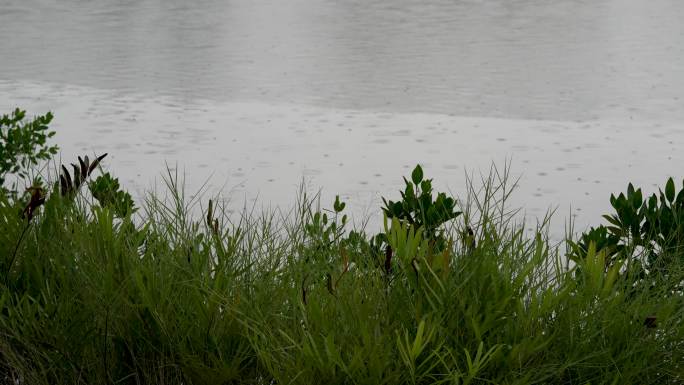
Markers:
95,291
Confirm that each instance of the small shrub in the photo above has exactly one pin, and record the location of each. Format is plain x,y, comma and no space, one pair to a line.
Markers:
23,144
647,234
108,193
418,209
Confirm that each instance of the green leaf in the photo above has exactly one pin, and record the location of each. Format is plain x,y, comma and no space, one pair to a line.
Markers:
670,190
426,186
408,192
417,175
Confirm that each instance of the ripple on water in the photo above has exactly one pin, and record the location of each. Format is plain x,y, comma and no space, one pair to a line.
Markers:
311,172
148,138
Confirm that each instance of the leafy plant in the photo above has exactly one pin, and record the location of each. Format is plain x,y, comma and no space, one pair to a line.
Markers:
647,233
23,143
324,238
108,193
418,209
602,239
324,230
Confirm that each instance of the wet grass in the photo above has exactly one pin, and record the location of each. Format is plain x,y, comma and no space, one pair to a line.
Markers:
165,296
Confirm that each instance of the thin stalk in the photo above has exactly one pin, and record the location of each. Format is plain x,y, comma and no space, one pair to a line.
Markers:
14,254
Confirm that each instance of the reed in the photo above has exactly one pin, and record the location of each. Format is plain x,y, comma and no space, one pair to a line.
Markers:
95,295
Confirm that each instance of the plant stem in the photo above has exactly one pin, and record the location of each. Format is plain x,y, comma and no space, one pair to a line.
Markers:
14,254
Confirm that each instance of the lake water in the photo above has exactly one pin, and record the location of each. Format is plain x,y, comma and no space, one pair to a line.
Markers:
583,96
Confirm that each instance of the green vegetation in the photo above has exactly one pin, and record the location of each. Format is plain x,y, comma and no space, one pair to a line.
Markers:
647,235
94,290
22,145
419,212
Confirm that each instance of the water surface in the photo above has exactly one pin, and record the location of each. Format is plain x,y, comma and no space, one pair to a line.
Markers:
584,96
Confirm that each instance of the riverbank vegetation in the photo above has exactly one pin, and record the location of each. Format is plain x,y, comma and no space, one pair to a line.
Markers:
95,288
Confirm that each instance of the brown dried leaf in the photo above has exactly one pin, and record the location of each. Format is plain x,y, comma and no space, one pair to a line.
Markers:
36,200
77,176
83,168
69,184
63,184
95,163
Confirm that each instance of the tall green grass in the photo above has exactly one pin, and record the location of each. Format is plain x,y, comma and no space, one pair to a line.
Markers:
166,296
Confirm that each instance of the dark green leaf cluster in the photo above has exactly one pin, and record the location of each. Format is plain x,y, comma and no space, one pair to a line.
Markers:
108,193
654,227
23,143
601,238
418,208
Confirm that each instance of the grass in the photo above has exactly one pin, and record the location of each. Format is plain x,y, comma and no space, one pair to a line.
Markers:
290,297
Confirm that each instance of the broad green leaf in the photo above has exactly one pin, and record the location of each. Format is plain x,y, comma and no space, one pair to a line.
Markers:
417,175
670,190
